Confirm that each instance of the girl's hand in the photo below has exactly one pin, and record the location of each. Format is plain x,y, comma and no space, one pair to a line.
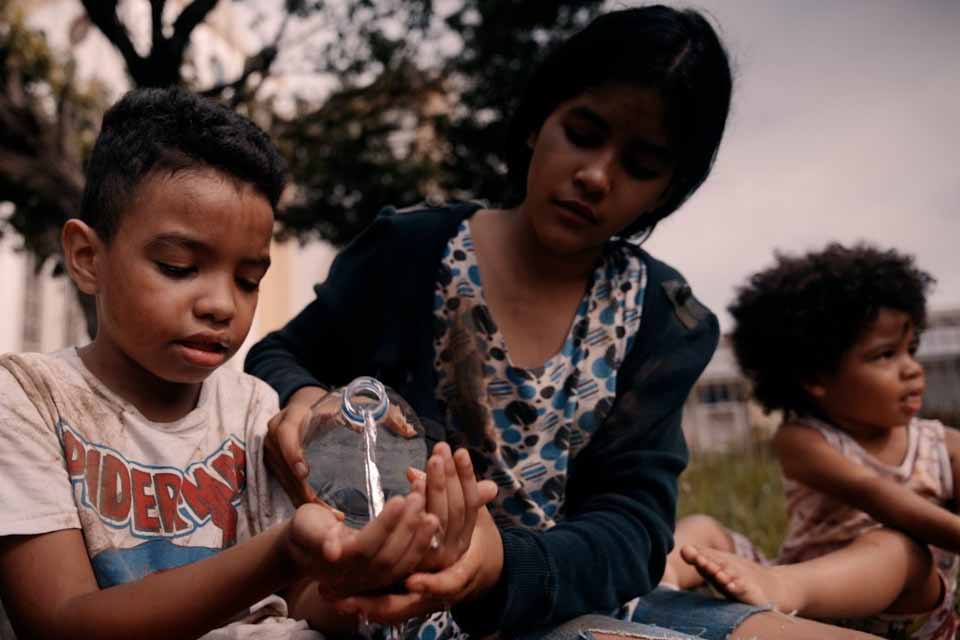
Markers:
345,562
283,447
455,497
472,575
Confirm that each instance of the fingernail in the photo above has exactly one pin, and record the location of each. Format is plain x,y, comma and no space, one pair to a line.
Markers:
417,472
301,470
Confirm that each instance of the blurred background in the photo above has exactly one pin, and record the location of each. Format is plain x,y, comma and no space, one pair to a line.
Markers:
844,127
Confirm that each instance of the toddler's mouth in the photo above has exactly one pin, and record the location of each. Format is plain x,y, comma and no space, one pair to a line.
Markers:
913,400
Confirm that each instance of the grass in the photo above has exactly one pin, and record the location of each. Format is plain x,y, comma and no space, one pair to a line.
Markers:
742,490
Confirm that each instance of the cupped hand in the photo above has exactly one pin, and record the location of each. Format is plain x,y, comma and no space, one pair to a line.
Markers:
345,561
455,496
469,577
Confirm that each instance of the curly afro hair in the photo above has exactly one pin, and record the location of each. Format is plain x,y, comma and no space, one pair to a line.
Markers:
796,320
171,129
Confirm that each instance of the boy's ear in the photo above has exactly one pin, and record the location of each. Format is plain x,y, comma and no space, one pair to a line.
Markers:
82,254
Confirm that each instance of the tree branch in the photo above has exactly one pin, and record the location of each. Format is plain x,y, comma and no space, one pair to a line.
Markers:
103,13
195,13
156,22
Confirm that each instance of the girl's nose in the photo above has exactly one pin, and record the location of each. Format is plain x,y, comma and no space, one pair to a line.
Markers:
594,177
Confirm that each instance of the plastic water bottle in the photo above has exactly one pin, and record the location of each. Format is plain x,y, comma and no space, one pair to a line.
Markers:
360,441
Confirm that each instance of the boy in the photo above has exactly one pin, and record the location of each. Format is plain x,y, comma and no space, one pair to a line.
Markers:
136,502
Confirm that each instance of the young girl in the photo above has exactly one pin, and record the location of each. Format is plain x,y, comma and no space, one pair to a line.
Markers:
544,338
830,338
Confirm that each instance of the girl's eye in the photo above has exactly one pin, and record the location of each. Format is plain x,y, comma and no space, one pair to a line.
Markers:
640,170
175,271
582,137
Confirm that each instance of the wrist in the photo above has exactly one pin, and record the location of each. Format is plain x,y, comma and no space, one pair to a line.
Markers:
286,551
307,396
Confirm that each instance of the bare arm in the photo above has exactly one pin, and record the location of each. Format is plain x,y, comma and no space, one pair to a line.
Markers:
807,458
952,437
50,590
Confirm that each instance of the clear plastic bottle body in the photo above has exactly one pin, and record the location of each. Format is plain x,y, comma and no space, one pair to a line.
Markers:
360,440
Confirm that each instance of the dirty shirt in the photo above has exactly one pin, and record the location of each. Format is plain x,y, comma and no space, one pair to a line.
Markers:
147,496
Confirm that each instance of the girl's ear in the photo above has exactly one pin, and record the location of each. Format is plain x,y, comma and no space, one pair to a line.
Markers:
816,390
82,254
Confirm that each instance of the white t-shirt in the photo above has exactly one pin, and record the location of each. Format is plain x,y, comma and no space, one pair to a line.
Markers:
147,496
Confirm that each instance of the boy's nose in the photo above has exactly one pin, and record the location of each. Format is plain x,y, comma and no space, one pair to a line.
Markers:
217,304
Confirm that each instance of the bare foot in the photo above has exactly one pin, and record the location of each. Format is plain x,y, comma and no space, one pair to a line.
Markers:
739,578
669,579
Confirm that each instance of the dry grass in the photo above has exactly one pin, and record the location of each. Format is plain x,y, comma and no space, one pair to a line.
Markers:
743,490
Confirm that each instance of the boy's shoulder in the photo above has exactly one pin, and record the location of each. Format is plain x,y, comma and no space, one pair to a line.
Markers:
40,375
233,385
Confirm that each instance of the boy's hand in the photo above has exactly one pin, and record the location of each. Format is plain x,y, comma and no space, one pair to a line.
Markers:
345,561
473,574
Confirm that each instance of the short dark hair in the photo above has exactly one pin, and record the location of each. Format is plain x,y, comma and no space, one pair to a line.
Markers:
172,129
796,320
675,52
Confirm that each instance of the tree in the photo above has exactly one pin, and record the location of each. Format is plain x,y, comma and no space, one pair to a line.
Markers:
407,117
424,125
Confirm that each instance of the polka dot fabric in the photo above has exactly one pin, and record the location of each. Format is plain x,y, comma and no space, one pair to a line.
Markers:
541,417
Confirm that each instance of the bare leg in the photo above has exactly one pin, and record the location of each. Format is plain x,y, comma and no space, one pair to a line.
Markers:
832,586
772,625
700,531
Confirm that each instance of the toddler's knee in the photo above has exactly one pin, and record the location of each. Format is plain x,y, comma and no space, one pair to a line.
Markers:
892,541
922,580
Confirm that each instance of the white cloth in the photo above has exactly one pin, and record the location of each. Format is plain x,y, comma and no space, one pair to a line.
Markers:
147,496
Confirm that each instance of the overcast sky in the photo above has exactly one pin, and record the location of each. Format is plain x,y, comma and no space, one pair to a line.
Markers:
845,126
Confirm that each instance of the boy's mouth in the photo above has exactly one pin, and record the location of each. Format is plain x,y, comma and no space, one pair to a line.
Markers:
204,351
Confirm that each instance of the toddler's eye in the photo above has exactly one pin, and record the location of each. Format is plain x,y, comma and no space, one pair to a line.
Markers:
174,271
248,285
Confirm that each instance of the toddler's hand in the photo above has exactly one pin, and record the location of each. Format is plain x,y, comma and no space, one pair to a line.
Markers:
346,562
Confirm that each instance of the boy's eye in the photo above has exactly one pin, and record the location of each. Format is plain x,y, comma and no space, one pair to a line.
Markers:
175,271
